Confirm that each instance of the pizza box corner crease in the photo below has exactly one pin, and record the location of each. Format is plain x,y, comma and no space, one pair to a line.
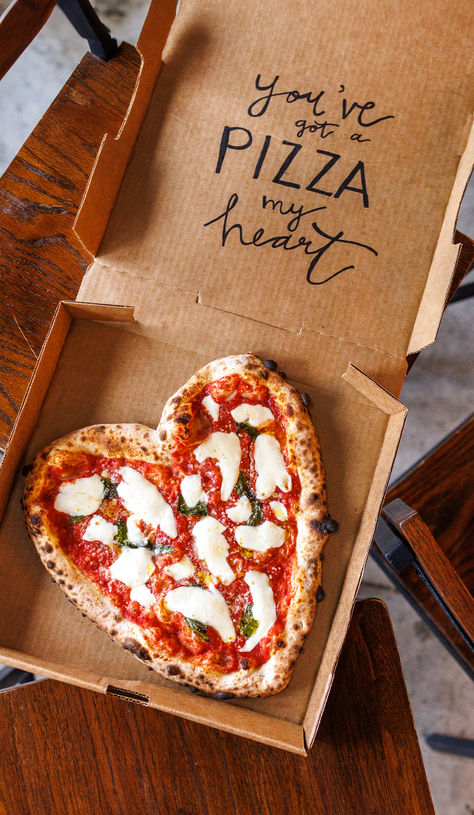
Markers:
257,208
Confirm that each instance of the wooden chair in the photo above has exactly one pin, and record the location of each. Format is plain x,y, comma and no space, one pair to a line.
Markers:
23,19
424,541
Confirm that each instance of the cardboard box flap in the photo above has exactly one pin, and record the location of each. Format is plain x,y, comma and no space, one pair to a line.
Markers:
309,189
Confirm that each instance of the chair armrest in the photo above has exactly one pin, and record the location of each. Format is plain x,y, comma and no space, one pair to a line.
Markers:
431,559
19,25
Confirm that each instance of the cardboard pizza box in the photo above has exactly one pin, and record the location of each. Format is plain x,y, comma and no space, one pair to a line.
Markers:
286,182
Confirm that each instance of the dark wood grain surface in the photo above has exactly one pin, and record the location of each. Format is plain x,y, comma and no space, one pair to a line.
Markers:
439,487
41,260
66,750
19,26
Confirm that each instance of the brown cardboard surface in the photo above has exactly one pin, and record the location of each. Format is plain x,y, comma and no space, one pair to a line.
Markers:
97,380
400,68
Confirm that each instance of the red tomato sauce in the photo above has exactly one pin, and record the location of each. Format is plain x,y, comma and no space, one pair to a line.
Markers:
170,631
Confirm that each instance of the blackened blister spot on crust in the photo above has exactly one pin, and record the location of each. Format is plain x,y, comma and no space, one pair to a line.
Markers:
289,410
222,694
35,519
326,525
320,594
48,548
26,469
136,649
244,664
173,670
306,399
50,564
184,419
122,439
270,364
162,435
263,374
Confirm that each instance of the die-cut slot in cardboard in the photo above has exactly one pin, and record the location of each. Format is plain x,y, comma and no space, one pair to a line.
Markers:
95,378
286,182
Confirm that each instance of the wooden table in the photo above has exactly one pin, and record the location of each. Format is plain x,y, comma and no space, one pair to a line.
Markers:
70,751
66,750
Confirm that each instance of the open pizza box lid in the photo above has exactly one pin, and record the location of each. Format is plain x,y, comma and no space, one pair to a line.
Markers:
289,186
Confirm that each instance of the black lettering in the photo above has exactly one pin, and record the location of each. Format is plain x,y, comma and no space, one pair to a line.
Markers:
332,239
358,137
263,101
362,109
334,157
277,179
226,145
362,190
261,158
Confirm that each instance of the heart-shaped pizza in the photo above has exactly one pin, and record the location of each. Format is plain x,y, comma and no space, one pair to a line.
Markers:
196,546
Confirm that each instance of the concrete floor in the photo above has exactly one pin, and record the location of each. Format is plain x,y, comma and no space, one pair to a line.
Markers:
438,393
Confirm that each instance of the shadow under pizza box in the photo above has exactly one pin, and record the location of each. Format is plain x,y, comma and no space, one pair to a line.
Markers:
100,365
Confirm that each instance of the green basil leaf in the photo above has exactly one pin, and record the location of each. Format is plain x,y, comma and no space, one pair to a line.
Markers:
74,518
249,429
243,488
121,537
199,509
198,627
248,623
257,514
110,488
161,548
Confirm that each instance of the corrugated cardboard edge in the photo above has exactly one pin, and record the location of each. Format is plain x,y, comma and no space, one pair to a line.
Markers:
114,153
45,365
445,257
397,414
240,722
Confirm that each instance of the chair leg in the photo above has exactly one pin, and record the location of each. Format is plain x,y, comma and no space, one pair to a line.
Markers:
87,24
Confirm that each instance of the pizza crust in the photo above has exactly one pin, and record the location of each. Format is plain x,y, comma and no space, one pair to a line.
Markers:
133,441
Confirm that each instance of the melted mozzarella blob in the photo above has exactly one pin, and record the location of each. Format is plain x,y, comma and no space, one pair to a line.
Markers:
80,497
143,595
98,529
143,499
191,490
134,533
225,447
279,510
255,415
133,567
212,548
181,570
270,467
208,608
263,609
241,511
212,407
260,538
